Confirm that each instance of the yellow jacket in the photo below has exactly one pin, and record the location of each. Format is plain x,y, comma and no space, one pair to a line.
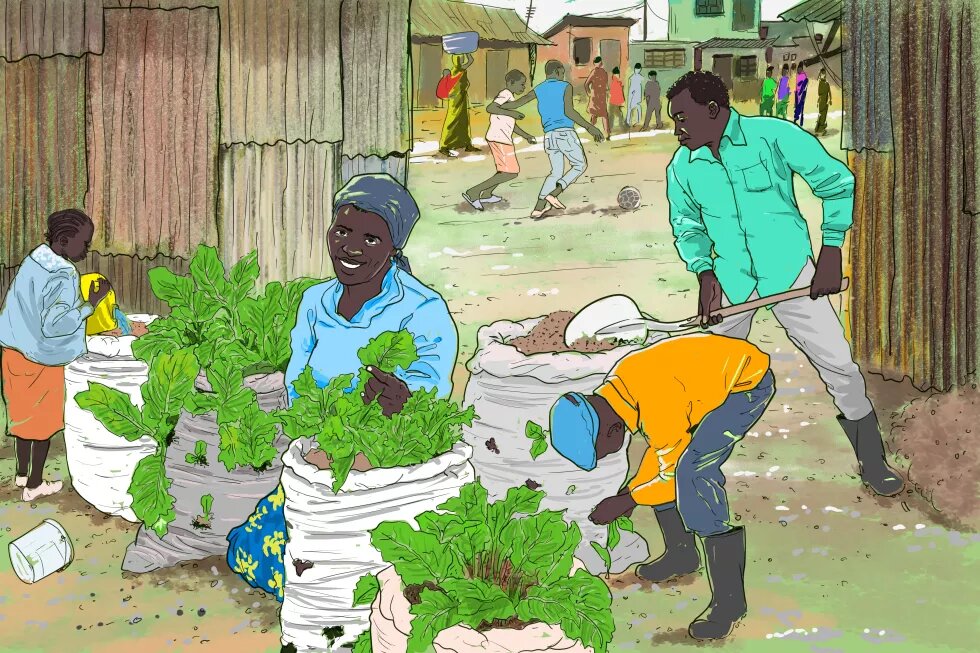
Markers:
665,390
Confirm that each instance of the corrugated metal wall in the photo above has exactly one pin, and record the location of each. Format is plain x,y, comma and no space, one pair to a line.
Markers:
49,27
153,132
914,247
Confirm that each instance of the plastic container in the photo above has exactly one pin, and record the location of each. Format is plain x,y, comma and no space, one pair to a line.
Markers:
103,319
41,552
461,43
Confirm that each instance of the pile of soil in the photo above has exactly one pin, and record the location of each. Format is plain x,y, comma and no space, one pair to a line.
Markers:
548,337
321,460
934,437
137,329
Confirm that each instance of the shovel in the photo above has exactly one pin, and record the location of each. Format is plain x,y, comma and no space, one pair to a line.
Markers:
692,322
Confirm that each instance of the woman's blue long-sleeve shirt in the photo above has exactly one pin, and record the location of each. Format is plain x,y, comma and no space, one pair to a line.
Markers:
328,343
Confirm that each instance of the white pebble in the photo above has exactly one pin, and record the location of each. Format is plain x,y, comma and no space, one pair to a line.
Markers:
919,527
802,389
782,507
768,433
789,380
784,430
533,291
832,509
774,469
881,633
898,527
804,507
804,423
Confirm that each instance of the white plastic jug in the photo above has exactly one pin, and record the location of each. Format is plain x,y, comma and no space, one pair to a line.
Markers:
41,552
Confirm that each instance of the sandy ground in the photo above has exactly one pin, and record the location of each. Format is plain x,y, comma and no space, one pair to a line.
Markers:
830,567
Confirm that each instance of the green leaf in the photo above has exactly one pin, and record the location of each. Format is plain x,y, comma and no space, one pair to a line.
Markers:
437,612
624,523
545,604
164,336
232,445
201,449
389,351
570,490
170,383
150,489
538,448
603,553
208,273
479,601
417,557
534,432
190,459
340,467
363,643
207,501
470,505
366,590
612,537
243,276
169,288
519,500
580,605
114,410
542,546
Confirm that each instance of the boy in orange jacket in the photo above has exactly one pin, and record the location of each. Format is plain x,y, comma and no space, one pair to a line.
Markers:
693,398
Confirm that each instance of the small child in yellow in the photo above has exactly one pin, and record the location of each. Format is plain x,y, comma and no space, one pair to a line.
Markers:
693,398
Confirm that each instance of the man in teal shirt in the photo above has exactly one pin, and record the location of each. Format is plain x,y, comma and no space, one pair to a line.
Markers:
737,226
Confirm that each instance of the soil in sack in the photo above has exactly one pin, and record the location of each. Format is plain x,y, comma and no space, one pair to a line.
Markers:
548,336
101,464
235,493
507,389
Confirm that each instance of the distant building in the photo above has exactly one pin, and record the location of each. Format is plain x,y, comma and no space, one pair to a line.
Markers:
580,39
812,16
794,42
505,43
670,59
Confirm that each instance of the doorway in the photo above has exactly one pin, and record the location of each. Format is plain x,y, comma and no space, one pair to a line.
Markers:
430,72
496,71
721,65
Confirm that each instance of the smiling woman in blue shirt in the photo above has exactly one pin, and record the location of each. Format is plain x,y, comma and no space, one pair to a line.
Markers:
737,226
374,292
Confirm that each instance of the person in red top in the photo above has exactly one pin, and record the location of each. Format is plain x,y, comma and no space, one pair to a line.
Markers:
617,99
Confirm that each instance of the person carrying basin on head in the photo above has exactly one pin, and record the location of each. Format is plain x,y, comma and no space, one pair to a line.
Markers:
737,226
42,329
500,138
561,142
693,398
374,292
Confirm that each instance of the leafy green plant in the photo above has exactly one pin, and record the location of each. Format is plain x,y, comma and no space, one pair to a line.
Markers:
203,521
344,426
538,437
168,388
613,538
233,332
200,455
489,565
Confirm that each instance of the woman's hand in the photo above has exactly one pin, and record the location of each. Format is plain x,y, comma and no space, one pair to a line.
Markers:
97,291
612,508
390,391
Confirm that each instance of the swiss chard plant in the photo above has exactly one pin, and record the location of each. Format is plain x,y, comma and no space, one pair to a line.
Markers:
233,331
490,565
538,437
166,392
343,426
613,538
203,521
200,455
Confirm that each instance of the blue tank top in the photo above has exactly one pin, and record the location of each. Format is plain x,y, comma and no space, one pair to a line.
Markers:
551,105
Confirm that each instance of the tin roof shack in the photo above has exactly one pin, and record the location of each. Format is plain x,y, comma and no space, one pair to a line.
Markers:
243,121
811,16
741,63
670,59
580,39
795,41
505,44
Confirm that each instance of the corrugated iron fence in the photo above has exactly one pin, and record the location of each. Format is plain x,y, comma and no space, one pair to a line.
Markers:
912,121
179,122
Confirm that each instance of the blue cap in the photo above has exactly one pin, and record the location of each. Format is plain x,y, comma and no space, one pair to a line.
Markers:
574,430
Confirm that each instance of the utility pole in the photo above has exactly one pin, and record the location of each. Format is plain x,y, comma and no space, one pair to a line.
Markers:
645,12
532,50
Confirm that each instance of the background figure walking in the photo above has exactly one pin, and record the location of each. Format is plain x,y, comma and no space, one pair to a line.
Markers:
802,83
561,142
782,95
823,101
456,129
617,98
597,86
768,93
652,94
635,102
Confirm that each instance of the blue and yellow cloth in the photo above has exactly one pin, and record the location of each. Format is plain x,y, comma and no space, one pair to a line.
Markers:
256,548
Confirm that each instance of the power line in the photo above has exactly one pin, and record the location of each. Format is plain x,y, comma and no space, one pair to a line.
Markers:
655,14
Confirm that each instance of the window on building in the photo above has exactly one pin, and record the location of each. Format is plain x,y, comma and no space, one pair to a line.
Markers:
793,58
747,67
709,8
786,57
582,52
664,59
743,15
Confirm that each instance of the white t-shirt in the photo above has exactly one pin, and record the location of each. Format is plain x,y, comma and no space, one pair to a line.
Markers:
502,127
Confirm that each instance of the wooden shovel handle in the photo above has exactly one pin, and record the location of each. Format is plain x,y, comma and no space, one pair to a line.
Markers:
762,302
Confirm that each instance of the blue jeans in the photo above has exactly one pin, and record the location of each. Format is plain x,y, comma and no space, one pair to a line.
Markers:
701,499
559,145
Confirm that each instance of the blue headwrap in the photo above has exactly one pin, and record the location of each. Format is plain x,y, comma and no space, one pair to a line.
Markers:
574,430
382,195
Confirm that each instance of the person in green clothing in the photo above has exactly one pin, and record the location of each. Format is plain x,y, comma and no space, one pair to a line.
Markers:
823,102
782,94
737,226
768,93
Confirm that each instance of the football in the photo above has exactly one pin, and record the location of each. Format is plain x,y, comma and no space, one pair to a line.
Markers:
629,198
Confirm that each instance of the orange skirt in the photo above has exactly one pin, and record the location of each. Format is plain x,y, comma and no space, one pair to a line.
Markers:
34,395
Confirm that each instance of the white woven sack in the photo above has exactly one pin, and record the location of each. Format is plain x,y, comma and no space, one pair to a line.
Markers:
101,464
331,531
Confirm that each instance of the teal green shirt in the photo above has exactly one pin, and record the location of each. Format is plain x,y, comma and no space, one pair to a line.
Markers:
739,215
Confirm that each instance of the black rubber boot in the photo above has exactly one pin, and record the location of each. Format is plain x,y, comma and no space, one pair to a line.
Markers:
724,557
680,558
865,437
